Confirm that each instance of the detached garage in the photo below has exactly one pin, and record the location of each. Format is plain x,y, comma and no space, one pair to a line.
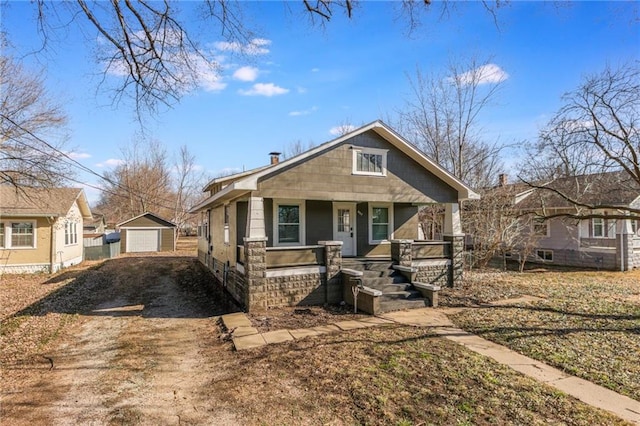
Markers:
147,233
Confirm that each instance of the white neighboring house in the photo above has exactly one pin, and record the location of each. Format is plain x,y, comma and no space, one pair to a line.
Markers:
41,229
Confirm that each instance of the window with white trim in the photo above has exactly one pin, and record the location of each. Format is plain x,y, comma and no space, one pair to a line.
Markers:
22,235
380,223
597,227
369,161
288,223
70,233
226,223
2,243
540,228
545,255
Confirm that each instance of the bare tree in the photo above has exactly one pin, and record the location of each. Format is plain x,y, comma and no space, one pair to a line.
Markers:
441,117
188,183
588,156
296,148
499,227
142,183
149,46
32,130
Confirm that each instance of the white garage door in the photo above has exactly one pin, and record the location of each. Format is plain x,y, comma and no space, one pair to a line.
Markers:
139,240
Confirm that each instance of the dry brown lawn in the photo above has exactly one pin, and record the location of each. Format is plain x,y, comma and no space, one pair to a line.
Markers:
586,323
136,340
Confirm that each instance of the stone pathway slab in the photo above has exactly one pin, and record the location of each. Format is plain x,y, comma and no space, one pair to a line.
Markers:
248,342
301,333
277,336
237,319
349,325
243,331
323,329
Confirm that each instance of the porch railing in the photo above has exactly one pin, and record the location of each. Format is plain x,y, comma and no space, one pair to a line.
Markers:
280,257
430,249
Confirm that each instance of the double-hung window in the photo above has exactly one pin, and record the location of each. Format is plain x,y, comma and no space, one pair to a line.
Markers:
22,235
540,228
70,233
597,227
369,161
289,223
380,223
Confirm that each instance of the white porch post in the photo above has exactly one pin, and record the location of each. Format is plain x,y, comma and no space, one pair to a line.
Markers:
255,219
624,244
452,224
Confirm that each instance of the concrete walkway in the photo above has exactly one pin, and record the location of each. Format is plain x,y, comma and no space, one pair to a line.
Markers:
244,336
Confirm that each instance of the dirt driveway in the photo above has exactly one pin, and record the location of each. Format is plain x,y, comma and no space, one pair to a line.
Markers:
132,352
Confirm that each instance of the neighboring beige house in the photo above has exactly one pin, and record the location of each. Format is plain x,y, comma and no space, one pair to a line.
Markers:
41,229
147,233
599,242
277,235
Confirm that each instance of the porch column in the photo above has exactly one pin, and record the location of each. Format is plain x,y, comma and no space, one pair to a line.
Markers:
333,263
401,252
255,218
453,234
255,267
624,245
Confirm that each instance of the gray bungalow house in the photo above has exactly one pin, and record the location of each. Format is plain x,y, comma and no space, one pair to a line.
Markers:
291,232
606,240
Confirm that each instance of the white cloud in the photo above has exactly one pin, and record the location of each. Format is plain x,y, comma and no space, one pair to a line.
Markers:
111,162
342,129
315,69
257,46
246,74
489,73
264,89
78,155
303,112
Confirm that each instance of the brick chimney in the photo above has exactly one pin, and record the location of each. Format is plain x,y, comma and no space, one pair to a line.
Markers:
502,179
275,157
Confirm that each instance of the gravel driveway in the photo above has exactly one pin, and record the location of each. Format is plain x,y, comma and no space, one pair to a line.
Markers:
132,352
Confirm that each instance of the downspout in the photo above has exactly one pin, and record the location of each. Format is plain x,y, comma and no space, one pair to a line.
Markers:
52,255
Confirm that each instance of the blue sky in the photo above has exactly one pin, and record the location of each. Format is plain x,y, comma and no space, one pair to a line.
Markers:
304,81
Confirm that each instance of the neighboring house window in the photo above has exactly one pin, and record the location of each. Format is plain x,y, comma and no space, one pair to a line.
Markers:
2,243
70,233
541,228
634,226
545,255
369,161
289,223
597,227
22,234
226,224
380,223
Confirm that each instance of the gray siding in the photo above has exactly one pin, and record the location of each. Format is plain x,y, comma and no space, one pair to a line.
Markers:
242,207
328,176
319,221
268,220
405,221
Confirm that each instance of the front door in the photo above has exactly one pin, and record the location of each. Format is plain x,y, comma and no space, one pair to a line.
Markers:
344,227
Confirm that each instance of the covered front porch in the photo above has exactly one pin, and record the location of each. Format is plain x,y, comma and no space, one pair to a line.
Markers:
291,252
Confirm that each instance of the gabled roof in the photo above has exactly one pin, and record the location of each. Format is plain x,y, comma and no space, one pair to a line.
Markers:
154,217
41,202
249,180
616,189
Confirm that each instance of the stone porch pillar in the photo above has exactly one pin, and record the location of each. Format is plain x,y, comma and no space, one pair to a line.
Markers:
333,263
624,245
255,267
401,252
453,234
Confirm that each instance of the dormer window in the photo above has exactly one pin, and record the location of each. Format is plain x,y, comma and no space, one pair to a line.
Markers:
369,161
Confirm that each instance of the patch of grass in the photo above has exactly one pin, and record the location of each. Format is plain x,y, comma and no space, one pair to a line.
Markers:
395,375
586,324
